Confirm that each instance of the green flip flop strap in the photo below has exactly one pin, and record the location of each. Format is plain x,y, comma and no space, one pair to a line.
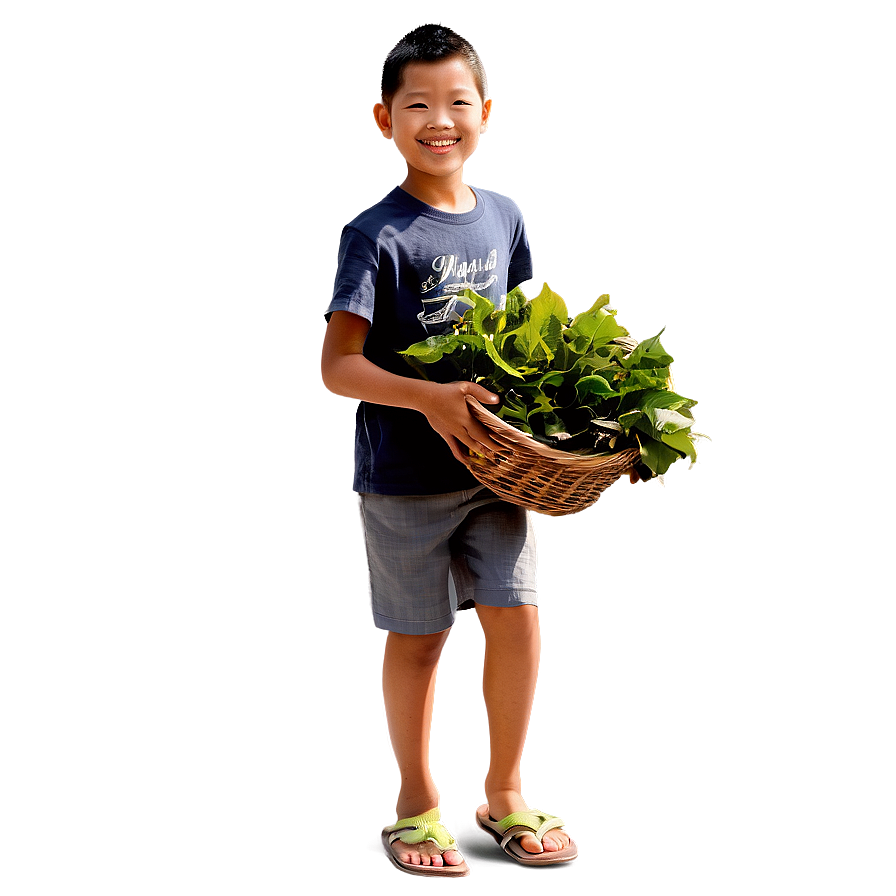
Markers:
423,827
536,823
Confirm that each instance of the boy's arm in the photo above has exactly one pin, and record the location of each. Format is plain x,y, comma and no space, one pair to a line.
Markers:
347,372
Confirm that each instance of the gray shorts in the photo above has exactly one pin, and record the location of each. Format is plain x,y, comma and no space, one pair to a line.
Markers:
432,555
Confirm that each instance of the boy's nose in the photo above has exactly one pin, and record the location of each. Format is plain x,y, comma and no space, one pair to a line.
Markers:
441,119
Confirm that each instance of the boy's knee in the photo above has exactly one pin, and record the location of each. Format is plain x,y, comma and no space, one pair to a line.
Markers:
422,650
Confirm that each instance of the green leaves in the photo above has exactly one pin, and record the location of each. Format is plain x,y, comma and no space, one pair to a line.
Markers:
579,384
648,350
538,335
657,456
595,327
436,347
594,385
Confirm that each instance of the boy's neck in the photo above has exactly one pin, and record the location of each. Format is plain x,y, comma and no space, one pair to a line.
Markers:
447,196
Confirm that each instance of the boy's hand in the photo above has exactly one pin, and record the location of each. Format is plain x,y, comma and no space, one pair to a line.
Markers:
449,415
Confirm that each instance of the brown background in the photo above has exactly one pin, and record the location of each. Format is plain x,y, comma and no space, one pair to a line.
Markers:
187,664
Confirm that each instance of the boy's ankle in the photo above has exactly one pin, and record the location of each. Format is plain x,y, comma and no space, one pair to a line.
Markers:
501,783
416,801
504,800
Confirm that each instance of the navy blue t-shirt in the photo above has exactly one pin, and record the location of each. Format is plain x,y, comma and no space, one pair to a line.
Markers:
402,264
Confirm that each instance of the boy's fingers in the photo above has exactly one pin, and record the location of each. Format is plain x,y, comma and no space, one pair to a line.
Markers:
462,449
481,394
456,449
476,440
483,439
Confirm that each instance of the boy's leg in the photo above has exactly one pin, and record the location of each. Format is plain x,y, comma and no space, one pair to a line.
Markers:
409,679
512,650
407,540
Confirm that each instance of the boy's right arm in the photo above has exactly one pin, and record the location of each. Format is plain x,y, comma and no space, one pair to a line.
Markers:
347,372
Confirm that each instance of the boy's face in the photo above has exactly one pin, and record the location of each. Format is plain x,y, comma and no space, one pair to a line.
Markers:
436,117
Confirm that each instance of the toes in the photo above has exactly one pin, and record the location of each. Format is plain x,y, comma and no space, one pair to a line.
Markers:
530,844
423,855
554,841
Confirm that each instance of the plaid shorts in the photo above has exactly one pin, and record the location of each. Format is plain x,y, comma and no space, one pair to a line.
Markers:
433,555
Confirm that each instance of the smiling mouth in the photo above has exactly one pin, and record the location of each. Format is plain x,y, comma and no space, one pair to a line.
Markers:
440,143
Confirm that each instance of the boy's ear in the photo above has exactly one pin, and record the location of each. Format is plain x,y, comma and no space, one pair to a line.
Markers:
383,120
486,112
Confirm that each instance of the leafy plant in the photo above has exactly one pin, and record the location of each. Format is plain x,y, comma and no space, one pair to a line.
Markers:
579,384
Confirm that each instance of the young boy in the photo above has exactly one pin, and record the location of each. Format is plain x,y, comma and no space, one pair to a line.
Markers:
437,540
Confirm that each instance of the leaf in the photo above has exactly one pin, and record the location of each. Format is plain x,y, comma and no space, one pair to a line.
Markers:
537,337
564,358
483,314
649,353
588,364
541,404
515,414
601,306
499,361
681,441
594,327
657,456
436,347
665,421
628,419
664,398
612,425
594,385
602,301
642,379
551,378
514,302
548,304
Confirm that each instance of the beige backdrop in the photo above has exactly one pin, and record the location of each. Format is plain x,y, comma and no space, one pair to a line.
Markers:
188,668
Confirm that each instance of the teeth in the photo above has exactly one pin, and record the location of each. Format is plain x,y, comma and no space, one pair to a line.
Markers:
440,142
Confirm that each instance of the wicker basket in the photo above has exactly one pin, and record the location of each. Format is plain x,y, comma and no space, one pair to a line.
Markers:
540,478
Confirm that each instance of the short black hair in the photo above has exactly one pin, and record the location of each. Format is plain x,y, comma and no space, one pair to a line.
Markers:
429,43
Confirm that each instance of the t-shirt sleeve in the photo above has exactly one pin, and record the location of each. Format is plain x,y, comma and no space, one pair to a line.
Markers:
520,268
355,285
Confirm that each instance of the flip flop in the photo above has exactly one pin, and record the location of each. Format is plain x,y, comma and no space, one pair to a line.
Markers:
417,830
532,821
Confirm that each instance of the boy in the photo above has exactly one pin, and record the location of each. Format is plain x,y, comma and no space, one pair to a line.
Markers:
436,539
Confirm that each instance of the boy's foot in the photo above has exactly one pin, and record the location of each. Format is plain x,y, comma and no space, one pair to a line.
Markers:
497,818
432,849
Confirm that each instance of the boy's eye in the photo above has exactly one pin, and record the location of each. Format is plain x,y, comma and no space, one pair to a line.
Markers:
461,103
417,106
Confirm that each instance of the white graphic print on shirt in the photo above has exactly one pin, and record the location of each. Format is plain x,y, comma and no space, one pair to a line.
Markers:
442,305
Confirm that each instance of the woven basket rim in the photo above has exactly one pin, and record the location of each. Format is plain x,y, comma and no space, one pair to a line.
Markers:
522,440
